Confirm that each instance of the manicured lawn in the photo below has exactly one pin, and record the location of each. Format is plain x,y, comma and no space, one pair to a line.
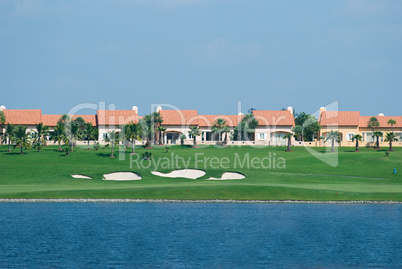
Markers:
300,176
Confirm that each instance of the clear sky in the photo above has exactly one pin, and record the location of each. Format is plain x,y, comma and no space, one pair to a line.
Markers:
202,54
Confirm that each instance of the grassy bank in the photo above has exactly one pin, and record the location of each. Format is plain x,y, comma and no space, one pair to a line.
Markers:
296,175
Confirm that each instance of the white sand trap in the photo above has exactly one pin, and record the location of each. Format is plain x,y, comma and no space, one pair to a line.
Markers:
228,176
122,176
81,176
184,173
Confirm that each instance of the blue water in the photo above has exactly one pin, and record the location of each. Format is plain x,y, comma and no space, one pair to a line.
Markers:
155,235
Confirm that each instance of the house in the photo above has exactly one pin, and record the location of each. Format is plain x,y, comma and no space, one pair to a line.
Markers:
350,123
24,117
205,123
113,120
384,127
345,122
176,123
273,125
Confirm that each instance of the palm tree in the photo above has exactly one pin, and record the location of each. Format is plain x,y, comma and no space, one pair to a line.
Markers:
89,132
58,134
160,130
245,128
389,137
288,136
9,135
133,132
112,138
2,121
333,136
392,122
218,127
372,123
194,132
378,134
358,138
153,121
22,138
182,137
65,119
40,135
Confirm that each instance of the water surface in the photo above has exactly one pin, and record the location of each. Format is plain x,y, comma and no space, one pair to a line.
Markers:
158,235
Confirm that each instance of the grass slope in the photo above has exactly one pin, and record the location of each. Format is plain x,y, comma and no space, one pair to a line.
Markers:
366,175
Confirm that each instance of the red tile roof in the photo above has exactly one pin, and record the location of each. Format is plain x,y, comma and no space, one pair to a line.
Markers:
208,120
339,118
23,116
382,120
51,120
179,117
274,117
116,117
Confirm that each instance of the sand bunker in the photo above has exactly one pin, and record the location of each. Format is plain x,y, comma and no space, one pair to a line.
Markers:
122,176
81,176
184,173
228,176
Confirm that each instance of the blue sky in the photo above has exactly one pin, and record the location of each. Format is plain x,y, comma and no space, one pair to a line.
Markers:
202,54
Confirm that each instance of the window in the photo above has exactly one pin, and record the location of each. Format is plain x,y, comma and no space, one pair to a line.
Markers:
262,136
369,137
349,136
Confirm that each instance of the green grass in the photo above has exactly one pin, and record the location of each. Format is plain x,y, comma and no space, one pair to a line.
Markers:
366,175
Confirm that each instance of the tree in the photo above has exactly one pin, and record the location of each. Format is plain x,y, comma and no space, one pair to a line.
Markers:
9,135
88,133
378,134
40,135
76,128
2,121
288,136
306,127
22,138
194,132
153,121
298,131
65,119
372,123
112,138
58,134
392,122
245,128
390,137
333,136
67,149
358,138
160,130
182,137
218,127
133,132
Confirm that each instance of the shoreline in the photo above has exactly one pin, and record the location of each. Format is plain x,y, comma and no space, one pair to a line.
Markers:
85,200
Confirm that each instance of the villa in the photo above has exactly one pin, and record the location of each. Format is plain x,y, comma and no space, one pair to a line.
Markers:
350,123
273,125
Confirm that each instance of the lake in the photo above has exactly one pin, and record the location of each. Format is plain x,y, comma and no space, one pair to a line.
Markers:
197,235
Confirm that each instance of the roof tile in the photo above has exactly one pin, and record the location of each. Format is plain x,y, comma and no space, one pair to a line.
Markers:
23,116
339,118
179,117
116,117
274,117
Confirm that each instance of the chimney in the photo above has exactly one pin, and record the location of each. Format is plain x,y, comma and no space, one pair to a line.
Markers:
158,108
2,108
322,109
290,109
381,114
135,109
